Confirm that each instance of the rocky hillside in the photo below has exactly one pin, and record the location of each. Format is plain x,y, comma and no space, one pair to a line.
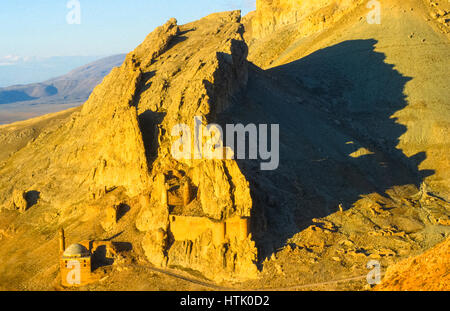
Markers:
363,172
428,272
333,52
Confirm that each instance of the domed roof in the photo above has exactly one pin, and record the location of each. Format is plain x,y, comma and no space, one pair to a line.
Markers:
76,250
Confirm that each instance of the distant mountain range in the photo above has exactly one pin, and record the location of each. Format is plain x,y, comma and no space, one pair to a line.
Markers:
16,70
20,102
76,85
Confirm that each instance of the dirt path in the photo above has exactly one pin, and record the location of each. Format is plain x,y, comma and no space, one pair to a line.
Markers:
185,278
221,288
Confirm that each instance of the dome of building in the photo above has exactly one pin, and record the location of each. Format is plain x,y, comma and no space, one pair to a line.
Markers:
76,250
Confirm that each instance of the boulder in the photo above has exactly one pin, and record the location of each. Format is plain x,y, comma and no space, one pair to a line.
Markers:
18,201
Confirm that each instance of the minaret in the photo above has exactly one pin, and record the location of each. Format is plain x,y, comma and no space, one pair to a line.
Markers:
62,241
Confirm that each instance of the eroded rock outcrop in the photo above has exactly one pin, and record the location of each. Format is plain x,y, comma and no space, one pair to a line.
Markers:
181,84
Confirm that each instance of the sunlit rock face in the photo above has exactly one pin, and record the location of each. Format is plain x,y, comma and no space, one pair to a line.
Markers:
202,74
274,14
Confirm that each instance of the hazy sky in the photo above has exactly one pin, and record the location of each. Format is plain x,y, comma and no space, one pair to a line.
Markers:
30,28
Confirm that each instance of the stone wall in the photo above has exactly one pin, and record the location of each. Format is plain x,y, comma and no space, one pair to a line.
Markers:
185,228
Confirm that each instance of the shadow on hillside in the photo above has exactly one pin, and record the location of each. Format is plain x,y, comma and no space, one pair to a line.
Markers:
32,198
149,122
329,105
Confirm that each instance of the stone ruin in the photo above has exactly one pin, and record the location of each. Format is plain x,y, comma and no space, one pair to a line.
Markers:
179,233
